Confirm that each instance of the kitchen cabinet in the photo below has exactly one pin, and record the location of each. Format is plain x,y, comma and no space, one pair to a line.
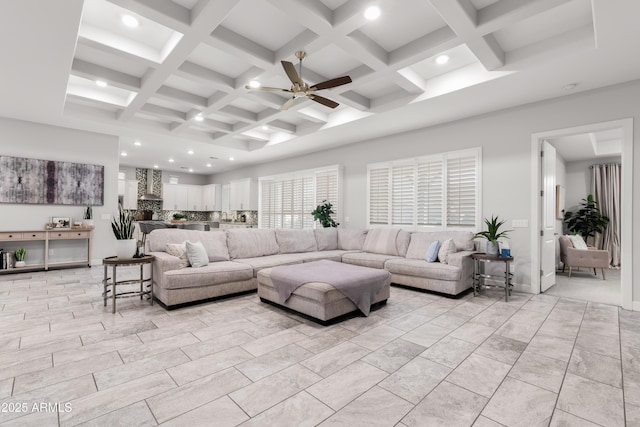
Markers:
243,195
174,197
128,193
194,197
226,191
211,197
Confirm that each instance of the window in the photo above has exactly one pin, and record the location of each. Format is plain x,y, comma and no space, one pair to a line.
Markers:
440,191
286,201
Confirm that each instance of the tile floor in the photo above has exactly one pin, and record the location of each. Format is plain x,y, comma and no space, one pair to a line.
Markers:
584,285
422,360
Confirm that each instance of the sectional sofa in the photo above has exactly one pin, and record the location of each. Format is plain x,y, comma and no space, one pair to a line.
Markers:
236,256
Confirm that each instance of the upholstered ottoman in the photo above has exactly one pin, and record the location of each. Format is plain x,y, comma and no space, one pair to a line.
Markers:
319,299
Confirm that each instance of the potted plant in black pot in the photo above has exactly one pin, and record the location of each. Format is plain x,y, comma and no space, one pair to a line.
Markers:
492,234
87,221
323,213
122,226
587,220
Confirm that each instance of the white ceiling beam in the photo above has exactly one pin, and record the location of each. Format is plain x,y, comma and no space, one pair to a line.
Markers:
462,17
314,115
113,51
165,12
283,126
311,14
247,49
178,95
503,13
218,125
424,47
207,75
236,112
267,99
114,78
359,100
168,113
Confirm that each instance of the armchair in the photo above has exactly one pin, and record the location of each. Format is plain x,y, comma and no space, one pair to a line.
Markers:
590,258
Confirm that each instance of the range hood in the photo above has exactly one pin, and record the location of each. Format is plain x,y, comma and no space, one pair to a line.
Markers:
149,195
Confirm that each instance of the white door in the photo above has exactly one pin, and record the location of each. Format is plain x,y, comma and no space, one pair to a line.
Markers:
548,223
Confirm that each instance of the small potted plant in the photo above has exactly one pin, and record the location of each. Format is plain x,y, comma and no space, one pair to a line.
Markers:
492,235
323,213
122,226
179,217
88,217
20,254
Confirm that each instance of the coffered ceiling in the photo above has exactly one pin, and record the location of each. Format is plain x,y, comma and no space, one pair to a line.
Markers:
191,59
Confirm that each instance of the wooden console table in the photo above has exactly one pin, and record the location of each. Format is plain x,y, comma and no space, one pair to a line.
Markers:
8,240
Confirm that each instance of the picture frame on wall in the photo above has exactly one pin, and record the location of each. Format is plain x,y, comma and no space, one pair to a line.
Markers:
560,201
61,222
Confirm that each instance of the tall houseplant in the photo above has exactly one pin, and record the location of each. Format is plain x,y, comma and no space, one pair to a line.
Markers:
87,221
323,213
587,220
123,228
492,234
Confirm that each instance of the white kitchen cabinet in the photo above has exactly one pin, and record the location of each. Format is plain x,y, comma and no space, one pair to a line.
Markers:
225,198
243,195
128,193
194,197
175,197
211,197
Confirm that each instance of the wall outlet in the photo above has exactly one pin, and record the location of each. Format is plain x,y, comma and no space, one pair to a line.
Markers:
106,217
520,223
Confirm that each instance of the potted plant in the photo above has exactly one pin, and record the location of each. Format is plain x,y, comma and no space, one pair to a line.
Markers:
122,226
88,217
492,235
587,220
20,254
179,217
323,213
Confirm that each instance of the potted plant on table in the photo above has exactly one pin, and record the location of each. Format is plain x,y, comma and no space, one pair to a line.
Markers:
586,221
492,234
20,254
122,226
88,217
179,217
323,213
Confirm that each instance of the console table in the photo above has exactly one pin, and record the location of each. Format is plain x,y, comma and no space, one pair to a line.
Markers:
477,276
44,239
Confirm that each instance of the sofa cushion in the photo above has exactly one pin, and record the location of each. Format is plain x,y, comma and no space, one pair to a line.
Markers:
197,254
402,242
350,239
251,242
422,268
213,274
421,240
326,238
381,241
447,248
367,259
296,240
179,250
214,242
258,263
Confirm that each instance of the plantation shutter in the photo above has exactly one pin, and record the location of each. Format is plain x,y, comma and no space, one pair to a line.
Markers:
462,190
430,192
402,194
327,189
379,195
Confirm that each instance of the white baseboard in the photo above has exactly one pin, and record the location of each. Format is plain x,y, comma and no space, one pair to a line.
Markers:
636,306
97,261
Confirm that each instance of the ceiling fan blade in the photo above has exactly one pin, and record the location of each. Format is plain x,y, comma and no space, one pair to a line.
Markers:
268,89
290,69
324,101
287,104
338,81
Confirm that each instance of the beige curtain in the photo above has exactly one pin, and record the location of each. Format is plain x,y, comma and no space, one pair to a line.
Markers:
606,186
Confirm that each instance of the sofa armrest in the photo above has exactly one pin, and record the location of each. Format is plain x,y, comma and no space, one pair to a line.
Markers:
594,258
457,259
163,262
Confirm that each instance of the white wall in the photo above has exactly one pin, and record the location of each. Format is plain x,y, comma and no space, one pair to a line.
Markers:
38,141
505,137
579,176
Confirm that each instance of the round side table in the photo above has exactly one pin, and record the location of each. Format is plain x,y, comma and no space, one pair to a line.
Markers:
116,262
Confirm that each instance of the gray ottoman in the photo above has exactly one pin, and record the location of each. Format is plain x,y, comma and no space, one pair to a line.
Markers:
318,300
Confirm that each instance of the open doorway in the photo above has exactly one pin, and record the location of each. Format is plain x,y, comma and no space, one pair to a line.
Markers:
575,151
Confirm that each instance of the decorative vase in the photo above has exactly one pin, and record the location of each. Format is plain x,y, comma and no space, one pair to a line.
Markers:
492,248
126,248
20,264
87,223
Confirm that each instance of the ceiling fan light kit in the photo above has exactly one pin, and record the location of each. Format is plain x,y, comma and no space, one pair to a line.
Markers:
300,89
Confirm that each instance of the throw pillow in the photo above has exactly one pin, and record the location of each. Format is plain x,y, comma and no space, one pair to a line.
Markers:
432,251
197,254
578,241
448,247
179,250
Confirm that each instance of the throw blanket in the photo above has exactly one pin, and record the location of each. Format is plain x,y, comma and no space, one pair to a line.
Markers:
359,284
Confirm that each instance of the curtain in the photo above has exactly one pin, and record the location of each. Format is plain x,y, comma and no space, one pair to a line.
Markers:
606,185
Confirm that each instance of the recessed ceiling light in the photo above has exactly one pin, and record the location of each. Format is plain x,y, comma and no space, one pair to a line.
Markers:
199,118
570,86
372,13
130,21
190,152
265,127
190,169
231,159
156,166
137,143
101,83
208,165
123,154
442,59
170,160
255,84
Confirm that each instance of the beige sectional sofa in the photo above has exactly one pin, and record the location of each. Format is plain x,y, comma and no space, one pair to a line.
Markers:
237,255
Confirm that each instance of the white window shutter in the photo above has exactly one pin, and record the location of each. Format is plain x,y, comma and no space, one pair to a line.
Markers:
403,194
379,200
430,194
461,191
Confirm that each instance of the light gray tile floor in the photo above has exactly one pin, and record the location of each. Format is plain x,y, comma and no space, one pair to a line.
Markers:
421,360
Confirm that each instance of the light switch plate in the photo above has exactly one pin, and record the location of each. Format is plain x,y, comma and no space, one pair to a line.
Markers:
520,223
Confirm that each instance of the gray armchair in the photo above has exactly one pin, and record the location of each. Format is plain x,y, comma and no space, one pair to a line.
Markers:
590,258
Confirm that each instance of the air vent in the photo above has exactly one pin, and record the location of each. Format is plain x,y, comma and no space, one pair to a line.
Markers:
214,158
184,167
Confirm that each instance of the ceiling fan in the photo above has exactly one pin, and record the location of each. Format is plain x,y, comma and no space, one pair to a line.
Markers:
300,89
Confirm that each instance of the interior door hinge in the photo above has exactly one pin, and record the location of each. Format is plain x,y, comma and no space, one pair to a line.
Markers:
541,273
542,154
541,193
541,233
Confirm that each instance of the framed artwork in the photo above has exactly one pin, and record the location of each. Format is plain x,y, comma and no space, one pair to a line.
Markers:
61,222
560,201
